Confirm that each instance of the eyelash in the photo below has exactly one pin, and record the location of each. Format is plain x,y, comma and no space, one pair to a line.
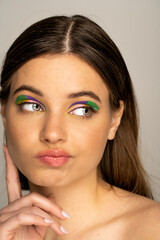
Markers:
21,105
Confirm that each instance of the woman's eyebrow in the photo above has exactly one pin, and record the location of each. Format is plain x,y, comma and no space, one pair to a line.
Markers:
84,93
28,88
71,95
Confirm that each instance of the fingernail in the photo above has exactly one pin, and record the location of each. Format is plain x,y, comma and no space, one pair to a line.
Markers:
48,220
65,214
63,230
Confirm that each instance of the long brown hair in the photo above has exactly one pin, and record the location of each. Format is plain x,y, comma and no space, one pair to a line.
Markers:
120,165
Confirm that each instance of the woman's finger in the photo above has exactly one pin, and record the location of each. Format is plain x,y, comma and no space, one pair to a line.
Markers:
12,178
28,210
22,219
37,200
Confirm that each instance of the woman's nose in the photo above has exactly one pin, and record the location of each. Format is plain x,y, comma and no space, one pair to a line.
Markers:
53,130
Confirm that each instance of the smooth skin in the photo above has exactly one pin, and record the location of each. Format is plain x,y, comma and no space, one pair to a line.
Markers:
97,210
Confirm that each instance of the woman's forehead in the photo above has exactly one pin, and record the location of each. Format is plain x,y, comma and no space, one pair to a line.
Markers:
60,73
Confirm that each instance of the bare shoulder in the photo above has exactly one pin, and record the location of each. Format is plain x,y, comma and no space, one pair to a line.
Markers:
142,216
124,216
149,219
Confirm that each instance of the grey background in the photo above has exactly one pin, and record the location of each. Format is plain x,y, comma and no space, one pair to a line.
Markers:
135,28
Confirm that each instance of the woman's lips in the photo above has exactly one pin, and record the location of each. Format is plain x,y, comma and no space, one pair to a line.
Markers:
53,158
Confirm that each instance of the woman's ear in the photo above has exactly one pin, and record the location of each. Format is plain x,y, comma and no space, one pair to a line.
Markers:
116,119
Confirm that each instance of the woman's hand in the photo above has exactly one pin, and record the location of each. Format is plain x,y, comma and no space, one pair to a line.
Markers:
28,217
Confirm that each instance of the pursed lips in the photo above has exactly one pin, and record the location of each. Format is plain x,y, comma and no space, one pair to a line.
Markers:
53,157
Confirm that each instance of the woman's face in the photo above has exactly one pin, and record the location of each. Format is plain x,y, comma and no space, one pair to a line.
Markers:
57,103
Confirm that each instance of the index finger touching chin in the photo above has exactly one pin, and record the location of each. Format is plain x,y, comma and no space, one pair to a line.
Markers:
12,177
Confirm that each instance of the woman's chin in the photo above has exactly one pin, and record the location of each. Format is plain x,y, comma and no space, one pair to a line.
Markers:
51,182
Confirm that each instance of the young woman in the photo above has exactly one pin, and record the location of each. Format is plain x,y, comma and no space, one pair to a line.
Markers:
70,120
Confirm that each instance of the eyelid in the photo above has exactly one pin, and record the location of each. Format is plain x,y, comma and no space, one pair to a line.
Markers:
90,104
23,97
27,99
77,106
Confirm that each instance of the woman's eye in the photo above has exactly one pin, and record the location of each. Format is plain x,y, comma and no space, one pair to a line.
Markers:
32,107
81,111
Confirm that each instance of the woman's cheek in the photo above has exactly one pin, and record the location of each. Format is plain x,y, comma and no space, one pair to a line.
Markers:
20,137
97,145
91,141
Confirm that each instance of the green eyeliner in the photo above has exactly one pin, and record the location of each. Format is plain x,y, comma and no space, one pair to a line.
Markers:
93,105
25,98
